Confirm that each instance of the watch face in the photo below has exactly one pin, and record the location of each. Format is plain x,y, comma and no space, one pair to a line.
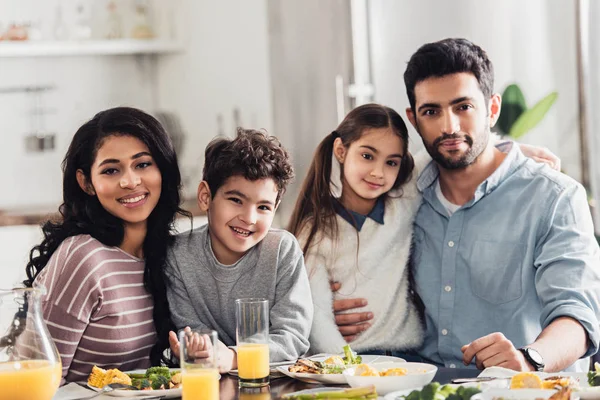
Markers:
535,356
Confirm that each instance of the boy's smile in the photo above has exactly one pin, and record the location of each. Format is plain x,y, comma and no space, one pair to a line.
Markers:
239,215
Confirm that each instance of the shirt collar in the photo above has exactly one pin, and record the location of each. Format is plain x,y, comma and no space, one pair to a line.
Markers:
357,220
514,159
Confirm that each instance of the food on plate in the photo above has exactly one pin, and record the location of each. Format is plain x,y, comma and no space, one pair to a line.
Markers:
334,360
367,392
332,365
434,391
526,380
365,370
100,377
594,376
563,394
306,366
154,378
351,357
394,372
559,382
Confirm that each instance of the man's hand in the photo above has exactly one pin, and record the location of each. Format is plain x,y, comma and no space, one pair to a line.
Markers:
350,325
541,154
495,350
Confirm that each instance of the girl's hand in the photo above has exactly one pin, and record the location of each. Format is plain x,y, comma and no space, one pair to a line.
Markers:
541,154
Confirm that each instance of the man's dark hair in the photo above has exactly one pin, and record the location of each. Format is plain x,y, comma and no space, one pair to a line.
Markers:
252,154
449,56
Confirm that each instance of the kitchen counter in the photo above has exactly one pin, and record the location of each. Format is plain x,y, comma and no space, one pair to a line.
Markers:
38,215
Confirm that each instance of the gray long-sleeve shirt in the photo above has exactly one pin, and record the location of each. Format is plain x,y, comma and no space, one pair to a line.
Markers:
202,291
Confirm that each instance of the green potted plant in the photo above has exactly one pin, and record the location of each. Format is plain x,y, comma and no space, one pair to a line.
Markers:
516,119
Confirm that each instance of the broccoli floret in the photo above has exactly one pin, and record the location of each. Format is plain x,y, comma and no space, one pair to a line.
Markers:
161,382
164,371
144,384
141,384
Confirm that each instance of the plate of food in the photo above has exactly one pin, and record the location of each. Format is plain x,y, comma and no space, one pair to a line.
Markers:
159,381
582,384
524,394
328,368
390,376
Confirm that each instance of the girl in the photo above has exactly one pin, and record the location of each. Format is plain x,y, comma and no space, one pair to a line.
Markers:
102,263
358,231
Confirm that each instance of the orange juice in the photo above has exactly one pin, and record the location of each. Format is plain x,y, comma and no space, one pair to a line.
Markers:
200,384
253,360
29,379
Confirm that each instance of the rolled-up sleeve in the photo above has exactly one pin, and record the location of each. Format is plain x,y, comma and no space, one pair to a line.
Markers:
568,265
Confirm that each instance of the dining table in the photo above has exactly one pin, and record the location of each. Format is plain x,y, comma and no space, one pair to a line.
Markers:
229,387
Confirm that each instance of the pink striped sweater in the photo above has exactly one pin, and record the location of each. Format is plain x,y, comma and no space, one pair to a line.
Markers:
97,309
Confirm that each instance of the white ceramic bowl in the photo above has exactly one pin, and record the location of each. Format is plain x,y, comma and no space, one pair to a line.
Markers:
418,375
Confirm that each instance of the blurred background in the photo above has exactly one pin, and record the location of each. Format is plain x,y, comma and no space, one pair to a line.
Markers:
292,67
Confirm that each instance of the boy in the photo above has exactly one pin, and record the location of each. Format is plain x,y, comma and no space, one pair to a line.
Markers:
237,254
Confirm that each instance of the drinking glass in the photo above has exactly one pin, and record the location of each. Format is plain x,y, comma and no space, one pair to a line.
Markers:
252,334
30,366
199,369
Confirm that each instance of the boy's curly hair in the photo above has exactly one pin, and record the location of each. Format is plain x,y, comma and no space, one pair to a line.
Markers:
252,154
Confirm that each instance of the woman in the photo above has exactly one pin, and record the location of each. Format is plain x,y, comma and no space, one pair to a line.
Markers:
102,264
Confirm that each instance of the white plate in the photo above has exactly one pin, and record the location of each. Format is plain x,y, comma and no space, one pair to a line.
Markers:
515,394
332,379
417,375
584,391
167,393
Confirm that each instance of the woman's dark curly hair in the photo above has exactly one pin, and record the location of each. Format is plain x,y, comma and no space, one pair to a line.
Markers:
83,214
252,154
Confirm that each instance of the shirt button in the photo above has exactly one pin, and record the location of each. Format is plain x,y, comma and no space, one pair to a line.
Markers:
451,244
444,332
448,288
452,366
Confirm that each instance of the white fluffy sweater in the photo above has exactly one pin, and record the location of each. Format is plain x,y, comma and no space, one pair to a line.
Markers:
379,273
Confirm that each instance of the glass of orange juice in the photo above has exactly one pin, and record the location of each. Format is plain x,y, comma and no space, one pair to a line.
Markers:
30,366
252,333
199,369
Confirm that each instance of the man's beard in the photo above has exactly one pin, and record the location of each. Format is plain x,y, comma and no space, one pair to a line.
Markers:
466,159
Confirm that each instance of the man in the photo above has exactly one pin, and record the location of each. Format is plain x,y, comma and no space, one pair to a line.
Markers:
505,258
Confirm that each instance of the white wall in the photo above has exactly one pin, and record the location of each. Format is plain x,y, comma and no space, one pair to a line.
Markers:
83,86
225,66
529,42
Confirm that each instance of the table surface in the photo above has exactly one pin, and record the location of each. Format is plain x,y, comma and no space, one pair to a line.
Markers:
229,384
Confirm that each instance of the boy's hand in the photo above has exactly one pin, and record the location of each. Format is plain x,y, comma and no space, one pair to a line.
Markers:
350,325
198,346
227,358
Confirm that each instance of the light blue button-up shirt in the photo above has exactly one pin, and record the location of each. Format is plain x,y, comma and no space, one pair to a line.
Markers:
518,255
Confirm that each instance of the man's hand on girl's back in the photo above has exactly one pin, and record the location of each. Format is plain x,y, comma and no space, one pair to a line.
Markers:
350,324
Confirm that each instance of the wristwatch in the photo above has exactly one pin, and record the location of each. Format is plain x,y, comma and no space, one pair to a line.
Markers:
533,357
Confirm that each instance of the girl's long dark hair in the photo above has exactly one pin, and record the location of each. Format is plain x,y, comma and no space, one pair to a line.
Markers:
315,203
83,214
